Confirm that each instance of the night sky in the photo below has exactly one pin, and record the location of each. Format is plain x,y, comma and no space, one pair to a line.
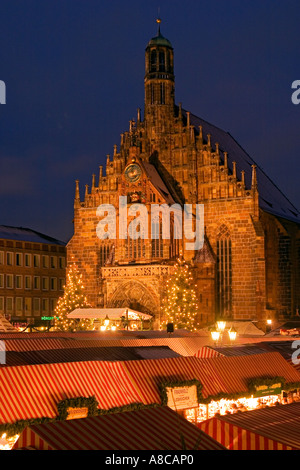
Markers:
74,72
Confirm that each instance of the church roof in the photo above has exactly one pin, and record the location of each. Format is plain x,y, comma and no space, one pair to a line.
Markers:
271,199
157,182
27,235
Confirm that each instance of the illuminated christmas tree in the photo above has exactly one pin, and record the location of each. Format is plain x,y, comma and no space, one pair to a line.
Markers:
74,297
180,305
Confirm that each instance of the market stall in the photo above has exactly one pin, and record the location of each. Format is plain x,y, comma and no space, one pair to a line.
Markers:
113,318
157,428
274,428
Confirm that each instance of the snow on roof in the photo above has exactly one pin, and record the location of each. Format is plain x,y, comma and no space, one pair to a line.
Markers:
27,235
271,199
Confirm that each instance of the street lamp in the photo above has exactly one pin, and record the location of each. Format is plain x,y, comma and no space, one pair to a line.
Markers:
215,334
106,321
221,325
232,334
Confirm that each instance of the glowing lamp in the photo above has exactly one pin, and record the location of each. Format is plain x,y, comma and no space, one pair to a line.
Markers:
102,327
221,325
113,328
232,334
269,321
106,321
215,335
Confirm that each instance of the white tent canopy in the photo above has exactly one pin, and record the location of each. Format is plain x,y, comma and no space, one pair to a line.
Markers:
112,313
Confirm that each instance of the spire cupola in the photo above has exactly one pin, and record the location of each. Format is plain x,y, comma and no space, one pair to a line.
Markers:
159,76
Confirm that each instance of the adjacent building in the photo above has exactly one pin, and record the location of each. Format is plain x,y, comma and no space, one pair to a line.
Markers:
32,273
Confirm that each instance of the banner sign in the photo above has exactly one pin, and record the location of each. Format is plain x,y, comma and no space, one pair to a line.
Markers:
77,413
265,390
181,398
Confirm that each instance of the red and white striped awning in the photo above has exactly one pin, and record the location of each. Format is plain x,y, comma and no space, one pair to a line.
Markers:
207,352
157,428
34,391
273,428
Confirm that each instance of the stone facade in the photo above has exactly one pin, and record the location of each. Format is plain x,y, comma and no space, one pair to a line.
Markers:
248,266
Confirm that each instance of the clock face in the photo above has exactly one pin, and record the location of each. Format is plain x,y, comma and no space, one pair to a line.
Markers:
133,172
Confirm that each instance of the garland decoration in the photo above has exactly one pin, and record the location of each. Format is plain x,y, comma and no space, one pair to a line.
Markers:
182,383
267,381
79,402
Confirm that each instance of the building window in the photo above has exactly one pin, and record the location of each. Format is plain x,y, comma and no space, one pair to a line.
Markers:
153,61
104,253
1,281
9,281
18,282
9,304
62,263
9,258
36,282
45,305
61,283
53,283
27,282
1,304
27,260
36,261
28,303
45,283
45,261
162,65
152,91
18,259
53,262
224,271
162,93
1,257
19,305
52,305
36,306
156,234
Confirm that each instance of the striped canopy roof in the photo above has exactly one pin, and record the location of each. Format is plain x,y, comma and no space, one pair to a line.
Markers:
34,391
272,428
157,428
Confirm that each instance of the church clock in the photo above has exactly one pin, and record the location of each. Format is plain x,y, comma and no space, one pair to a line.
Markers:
133,172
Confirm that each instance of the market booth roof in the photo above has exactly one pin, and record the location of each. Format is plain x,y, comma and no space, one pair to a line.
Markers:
111,313
157,428
33,391
218,375
274,428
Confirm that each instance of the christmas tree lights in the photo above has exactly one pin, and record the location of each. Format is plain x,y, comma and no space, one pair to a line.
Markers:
180,305
74,297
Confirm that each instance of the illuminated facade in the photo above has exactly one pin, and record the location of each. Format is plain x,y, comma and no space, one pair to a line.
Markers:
248,267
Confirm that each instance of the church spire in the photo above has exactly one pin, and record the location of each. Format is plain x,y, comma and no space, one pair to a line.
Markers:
159,82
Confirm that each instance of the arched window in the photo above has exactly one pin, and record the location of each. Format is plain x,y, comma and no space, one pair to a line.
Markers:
153,61
135,249
224,271
104,253
162,65
162,93
157,241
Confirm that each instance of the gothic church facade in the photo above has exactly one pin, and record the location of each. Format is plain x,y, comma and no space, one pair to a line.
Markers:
248,267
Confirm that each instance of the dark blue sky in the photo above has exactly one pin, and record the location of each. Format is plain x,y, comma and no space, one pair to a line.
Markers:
74,72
